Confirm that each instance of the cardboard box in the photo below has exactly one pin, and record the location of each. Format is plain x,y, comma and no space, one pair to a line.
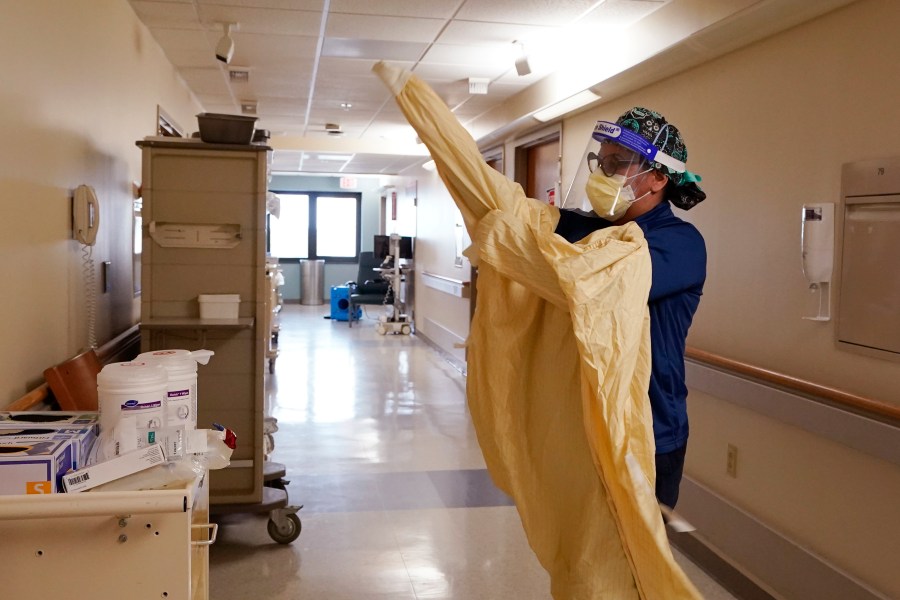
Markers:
82,438
118,467
46,419
34,467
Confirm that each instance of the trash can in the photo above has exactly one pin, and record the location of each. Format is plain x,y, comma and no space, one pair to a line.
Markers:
312,279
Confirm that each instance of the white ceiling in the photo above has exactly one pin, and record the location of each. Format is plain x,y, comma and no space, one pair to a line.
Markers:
307,58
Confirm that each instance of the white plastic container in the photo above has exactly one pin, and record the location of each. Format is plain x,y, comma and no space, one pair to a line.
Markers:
219,306
132,389
181,390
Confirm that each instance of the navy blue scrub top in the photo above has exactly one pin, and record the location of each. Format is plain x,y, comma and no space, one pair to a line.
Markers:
678,261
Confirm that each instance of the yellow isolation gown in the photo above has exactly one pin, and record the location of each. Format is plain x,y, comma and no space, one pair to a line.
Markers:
558,372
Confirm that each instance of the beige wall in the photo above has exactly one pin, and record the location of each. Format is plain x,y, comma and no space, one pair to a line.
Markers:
837,502
441,317
81,83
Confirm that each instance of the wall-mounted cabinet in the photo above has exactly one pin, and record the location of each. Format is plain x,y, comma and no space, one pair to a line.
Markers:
868,320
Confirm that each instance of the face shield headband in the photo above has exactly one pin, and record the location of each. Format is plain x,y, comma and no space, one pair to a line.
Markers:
605,131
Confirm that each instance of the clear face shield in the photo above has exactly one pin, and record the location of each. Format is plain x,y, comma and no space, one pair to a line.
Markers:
609,170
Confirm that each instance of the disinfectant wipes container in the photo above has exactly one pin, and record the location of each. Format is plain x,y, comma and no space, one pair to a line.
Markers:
219,306
132,389
181,390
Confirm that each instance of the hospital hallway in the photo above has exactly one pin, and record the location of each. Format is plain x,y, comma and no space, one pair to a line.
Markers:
380,450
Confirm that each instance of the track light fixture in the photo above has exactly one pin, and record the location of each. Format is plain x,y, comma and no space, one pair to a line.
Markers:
522,66
225,47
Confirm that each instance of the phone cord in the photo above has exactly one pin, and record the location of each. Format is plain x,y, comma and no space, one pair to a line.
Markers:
90,290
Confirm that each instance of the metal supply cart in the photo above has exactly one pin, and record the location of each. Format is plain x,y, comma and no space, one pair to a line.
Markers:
142,545
204,215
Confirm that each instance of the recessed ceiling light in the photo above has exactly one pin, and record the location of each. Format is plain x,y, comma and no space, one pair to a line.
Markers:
335,157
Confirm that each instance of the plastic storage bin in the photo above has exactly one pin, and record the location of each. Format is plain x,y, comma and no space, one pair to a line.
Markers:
219,306
218,128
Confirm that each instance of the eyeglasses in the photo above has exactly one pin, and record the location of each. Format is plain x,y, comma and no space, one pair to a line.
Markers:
609,164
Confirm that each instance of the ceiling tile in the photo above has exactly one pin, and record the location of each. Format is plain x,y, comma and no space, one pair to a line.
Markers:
396,29
533,12
437,9
373,49
494,56
282,107
620,13
353,67
270,50
479,33
293,84
262,20
313,5
282,125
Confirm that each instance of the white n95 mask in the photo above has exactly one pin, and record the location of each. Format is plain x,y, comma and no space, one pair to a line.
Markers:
610,197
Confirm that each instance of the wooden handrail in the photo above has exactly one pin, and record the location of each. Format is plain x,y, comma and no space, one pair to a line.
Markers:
106,353
835,396
31,399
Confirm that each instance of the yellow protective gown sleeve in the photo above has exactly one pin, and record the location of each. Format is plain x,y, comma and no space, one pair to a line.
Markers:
559,365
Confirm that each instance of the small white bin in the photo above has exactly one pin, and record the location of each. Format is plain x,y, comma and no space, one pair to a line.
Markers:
219,306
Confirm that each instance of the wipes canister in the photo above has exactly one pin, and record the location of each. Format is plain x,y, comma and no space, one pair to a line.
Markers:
181,390
132,389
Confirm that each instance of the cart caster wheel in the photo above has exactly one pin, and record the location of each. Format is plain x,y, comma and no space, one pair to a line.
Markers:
405,330
290,532
380,329
271,366
278,484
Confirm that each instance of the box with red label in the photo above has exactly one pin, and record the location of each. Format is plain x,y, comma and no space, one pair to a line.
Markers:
34,467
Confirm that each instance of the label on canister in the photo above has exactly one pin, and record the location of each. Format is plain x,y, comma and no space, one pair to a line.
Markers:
181,407
132,389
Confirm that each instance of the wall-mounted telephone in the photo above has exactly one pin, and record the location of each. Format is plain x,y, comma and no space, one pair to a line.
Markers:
817,253
85,215
85,223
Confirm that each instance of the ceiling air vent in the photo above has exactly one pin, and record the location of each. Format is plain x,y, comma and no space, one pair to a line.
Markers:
238,75
478,85
248,107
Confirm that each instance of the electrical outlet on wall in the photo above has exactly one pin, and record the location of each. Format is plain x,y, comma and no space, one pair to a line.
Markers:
731,461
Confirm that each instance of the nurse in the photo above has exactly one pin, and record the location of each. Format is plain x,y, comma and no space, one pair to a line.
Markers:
636,173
